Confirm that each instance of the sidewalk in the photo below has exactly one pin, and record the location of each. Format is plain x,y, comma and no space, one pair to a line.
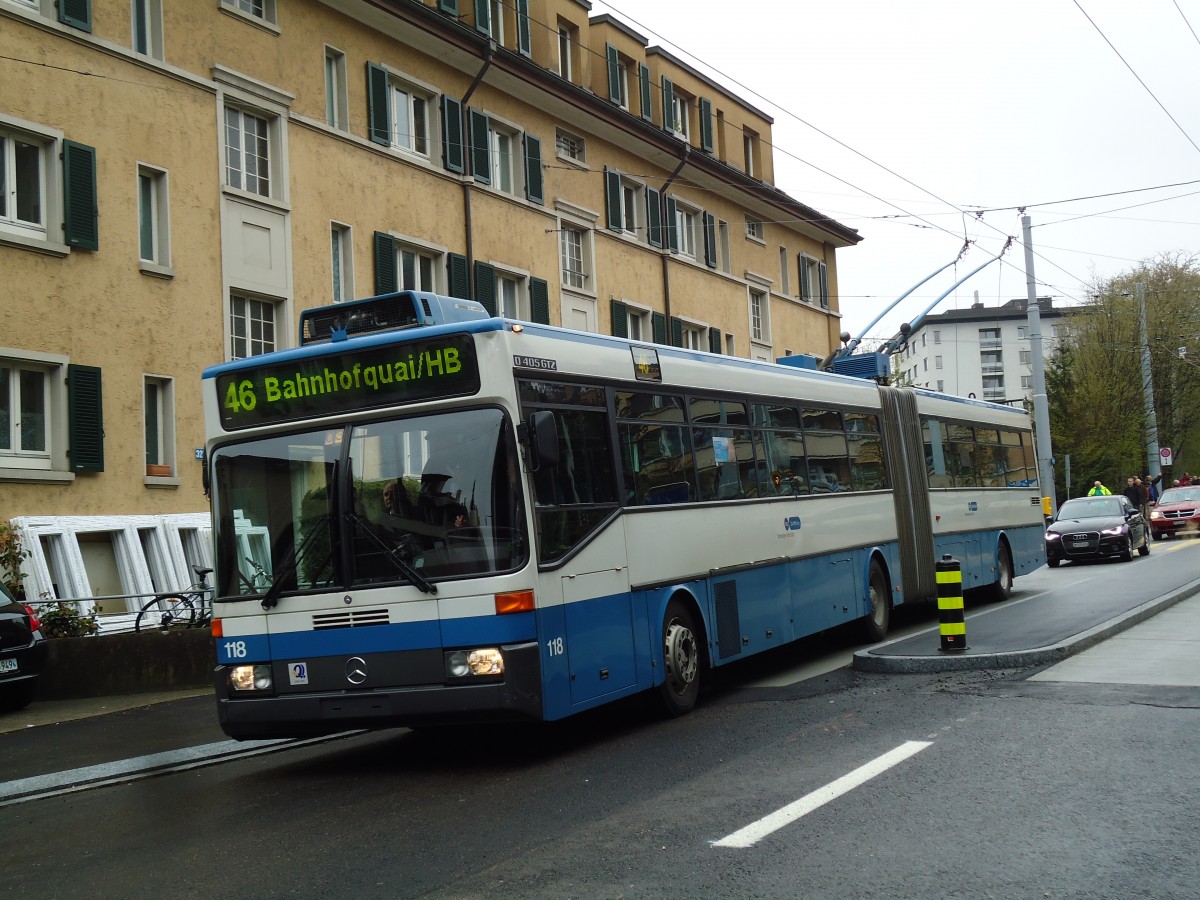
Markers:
54,712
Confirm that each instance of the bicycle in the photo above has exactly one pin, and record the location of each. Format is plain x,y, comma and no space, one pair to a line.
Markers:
191,608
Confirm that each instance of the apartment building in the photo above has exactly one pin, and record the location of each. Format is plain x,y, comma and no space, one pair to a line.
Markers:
180,179
981,352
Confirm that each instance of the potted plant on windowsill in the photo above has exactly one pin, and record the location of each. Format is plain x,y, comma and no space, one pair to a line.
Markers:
157,470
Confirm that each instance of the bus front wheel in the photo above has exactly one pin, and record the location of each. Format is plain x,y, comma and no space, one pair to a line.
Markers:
875,625
681,659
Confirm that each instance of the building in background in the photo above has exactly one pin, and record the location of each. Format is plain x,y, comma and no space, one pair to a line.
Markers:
180,179
981,352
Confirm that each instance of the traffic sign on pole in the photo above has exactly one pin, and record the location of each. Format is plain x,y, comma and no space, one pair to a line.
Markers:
1164,455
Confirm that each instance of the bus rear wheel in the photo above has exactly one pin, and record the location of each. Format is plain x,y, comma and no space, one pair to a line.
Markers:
879,616
1001,589
681,659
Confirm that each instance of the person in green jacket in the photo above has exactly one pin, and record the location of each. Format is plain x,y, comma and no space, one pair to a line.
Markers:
1099,490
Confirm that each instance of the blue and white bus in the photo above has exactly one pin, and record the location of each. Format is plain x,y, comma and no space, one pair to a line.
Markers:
471,518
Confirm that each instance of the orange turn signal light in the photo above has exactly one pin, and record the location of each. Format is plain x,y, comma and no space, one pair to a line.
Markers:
514,602
218,629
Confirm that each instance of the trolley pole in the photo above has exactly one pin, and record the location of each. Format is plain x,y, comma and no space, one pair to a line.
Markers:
1041,407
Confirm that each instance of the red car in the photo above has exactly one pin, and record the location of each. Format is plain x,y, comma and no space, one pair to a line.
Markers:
1177,510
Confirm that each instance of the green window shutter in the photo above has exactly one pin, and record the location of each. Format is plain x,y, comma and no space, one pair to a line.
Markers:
539,301
76,13
706,125
385,264
533,169
614,74
481,151
524,41
482,19
449,6
823,273
672,227
620,319
805,287
485,286
452,135
658,325
644,89
379,129
81,215
668,104
458,276
654,217
85,415
710,239
612,199
714,340
676,332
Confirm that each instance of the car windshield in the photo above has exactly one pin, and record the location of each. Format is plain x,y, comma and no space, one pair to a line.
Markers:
401,500
1180,495
1091,508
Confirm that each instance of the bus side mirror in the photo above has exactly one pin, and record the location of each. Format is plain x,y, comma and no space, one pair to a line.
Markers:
542,429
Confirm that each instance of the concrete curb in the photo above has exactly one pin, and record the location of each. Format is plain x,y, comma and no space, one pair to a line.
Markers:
876,659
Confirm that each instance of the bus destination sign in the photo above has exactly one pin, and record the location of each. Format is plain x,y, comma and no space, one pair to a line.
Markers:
344,382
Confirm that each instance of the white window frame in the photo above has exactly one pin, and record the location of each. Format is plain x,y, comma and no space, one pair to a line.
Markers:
623,64
755,229
19,463
581,221
937,336
681,114
687,227
693,334
508,170
566,37
512,292
758,319
570,146
238,175
1022,332
639,324
784,279
258,12
730,345
428,277
723,261
632,210
158,397
404,96
254,339
496,20
337,98
48,228
937,362
341,258
154,220
1025,357
147,28
813,266
248,96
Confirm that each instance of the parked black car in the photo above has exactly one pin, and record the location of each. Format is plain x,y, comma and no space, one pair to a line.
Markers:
1096,528
22,652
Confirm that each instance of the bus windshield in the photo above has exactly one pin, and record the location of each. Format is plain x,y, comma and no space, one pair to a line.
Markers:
397,500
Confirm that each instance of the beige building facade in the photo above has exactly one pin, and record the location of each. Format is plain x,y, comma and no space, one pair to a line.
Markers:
179,179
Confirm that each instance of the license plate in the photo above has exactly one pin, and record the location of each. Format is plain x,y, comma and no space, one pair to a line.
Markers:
1079,544
8,665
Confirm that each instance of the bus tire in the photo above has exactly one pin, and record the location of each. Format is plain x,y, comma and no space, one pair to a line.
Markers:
681,660
1001,589
875,624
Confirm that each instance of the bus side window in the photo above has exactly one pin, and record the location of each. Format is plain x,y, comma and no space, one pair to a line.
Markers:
656,461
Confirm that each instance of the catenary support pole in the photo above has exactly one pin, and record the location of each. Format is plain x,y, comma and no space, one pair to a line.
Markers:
1152,461
1041,407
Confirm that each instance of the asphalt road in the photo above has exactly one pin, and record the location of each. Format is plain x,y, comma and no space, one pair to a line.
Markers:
999,786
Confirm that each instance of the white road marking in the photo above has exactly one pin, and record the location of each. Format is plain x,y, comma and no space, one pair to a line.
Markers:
756,831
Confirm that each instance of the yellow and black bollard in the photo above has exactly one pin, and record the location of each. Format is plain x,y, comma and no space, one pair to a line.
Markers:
951,614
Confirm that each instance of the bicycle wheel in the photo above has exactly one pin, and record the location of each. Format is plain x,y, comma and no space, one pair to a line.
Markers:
169,612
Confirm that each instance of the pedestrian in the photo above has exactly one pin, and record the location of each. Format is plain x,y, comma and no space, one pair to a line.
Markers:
1099,490
1185,480
1133,491
1151,488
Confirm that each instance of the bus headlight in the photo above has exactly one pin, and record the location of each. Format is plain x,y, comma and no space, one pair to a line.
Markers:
250,678
483,661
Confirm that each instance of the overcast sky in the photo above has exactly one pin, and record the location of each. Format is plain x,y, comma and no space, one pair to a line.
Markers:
972,105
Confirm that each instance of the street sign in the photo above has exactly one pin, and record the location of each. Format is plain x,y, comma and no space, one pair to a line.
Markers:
1164,456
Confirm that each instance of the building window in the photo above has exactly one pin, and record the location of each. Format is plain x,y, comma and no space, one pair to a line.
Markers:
785,284
937,362
810,278
262,10
251,325
159,413
760,320
686,220
511,300
723,248
410,119
571,243
566,49
623,83
937,336
24,404
153,221
23,167
750,152
923,339
506,172
1025,357
337,102
941,385
680,112
418,268
342,262
1022,332
148,28
638,326
1026,382
754,228
247,152
569,145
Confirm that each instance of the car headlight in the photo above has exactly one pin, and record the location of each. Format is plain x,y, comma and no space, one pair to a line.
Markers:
480,662
1156,514
250,678
1053,536
1117,529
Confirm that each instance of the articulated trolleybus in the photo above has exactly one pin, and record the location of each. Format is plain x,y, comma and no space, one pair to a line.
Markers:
468,518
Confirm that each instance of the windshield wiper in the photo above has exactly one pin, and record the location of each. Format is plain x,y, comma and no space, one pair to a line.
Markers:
393,555
284,572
